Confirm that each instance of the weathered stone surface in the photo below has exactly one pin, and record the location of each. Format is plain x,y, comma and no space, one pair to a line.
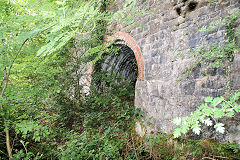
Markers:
172,25
235,76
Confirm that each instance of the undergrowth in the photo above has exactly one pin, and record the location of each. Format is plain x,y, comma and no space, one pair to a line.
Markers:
102,126
44,109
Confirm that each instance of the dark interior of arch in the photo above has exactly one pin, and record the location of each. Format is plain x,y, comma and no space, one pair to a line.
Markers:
120,59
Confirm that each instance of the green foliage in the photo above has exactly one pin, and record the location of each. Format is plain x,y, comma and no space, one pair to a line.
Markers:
45,109
44,96
4,8
209,148
26,127
26,155
208,114
105,117
27,107
77,22
212,1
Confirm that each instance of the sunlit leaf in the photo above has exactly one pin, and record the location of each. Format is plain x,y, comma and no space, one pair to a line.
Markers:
177,120
219,127
208,122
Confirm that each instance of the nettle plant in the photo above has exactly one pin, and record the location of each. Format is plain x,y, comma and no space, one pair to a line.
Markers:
213,56
208,114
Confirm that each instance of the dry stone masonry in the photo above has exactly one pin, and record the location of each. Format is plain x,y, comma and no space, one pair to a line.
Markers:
168,26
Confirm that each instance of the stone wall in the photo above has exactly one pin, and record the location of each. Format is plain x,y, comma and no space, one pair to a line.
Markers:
171,25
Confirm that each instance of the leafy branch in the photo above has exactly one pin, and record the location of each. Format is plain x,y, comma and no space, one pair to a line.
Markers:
208,113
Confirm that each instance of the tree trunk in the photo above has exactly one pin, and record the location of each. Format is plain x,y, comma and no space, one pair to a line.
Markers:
5,81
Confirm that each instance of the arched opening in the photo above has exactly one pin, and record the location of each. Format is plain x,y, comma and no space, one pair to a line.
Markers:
130,43
123,58
119,60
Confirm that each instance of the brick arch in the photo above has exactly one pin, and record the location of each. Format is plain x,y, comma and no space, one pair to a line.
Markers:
131,43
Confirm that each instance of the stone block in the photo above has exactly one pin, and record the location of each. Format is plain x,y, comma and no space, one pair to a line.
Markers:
188,88
235,74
